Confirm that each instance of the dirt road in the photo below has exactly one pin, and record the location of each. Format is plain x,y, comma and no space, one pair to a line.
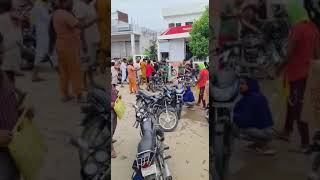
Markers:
188,145
57,122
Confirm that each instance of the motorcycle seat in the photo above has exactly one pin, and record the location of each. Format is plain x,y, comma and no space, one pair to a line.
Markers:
147,94
147,142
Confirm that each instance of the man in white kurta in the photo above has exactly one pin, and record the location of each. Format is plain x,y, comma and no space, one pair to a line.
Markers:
40,17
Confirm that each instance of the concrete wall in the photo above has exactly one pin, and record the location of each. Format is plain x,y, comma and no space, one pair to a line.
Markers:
181,19
122,49
176,50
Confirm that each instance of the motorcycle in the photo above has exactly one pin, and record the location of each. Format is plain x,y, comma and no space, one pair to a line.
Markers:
150,162
188,79
163,105
95,140
156,83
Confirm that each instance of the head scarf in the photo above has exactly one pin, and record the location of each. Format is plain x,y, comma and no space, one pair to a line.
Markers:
201,66
296,11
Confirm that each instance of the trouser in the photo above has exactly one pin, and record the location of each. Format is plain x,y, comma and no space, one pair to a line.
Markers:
8,169
294,109
201,97
92,53
139,79
132,84
123,77
70,71
261,136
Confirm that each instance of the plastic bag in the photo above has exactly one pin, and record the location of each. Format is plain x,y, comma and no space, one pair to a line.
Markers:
27,148
119,108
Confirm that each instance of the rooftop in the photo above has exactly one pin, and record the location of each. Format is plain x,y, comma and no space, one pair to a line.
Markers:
194,8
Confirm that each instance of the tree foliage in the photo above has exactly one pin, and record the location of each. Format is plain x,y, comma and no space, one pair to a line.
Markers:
199,41
152,52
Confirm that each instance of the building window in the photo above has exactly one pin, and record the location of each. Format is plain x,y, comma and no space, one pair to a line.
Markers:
171,25
178,24
189,23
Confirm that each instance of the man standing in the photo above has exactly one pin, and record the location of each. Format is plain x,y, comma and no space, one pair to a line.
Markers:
201,84
86,13
303,45
123,68
143,66
41,17
138,69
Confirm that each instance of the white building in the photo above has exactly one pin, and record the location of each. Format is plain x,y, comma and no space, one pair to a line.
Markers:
173,43
129,39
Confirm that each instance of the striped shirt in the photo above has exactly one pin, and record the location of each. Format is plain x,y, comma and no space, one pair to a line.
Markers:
8,106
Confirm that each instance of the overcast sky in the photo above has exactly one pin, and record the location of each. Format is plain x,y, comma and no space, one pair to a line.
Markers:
148,12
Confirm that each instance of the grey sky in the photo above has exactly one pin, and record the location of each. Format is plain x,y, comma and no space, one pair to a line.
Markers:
148,12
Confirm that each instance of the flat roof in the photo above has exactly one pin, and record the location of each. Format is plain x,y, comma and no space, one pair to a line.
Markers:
194,8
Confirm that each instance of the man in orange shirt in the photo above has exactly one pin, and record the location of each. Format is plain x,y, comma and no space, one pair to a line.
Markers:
132,78
143,65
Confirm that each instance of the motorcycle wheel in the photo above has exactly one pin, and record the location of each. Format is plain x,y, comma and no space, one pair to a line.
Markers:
222,147
179,111
94,136
168,119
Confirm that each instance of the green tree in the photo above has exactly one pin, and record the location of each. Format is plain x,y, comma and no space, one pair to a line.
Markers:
152,52
199,41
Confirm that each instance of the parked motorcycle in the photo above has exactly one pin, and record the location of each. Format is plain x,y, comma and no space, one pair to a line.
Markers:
150,162
188,79
163,105
156,83
95,140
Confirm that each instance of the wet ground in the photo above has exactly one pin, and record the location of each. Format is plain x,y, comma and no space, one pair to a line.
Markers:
188,145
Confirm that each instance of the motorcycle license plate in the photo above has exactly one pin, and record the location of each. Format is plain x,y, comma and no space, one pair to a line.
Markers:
149,170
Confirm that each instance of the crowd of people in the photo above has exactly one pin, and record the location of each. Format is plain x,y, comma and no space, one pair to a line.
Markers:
139,73
70,33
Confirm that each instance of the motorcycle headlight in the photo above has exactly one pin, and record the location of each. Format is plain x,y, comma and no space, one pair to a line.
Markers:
90,169
141,110
139,114
101,156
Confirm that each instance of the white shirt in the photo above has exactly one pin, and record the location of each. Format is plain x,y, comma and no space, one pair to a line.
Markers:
86,12
123,67
137,66
41,17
